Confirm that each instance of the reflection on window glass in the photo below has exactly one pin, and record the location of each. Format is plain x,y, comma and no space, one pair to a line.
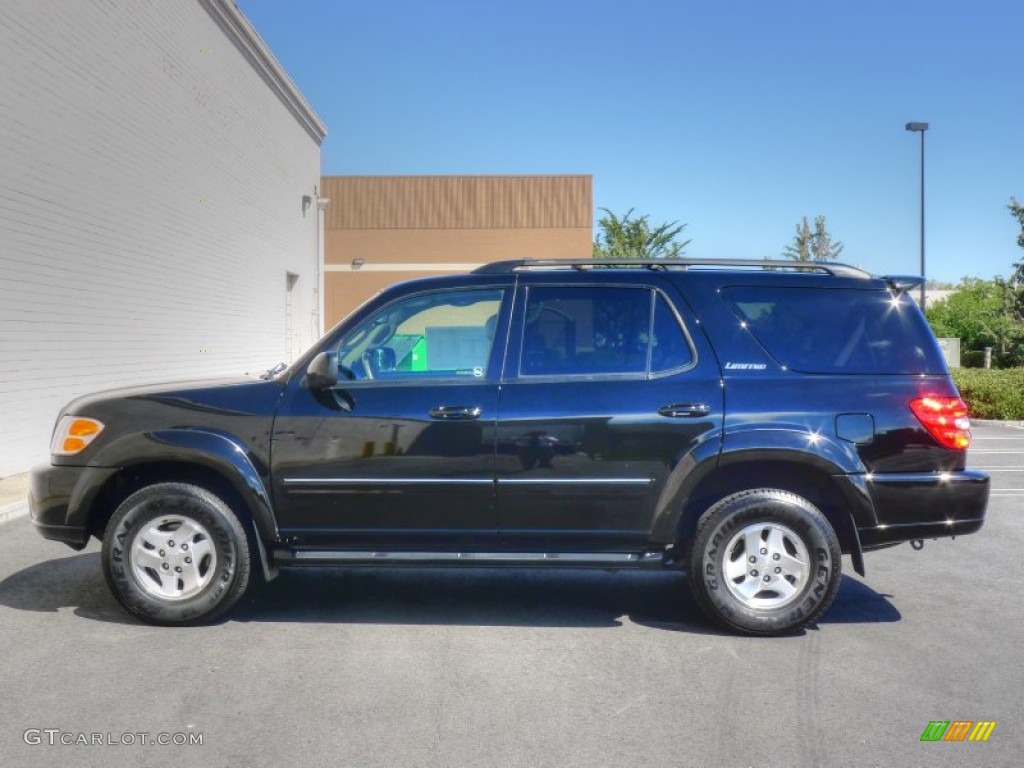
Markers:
589,330
669,347
444,334
838,330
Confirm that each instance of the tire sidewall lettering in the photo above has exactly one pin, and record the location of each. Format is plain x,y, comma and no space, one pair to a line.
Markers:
769,506
189,502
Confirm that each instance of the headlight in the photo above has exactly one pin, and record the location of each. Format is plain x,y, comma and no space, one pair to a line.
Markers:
73,434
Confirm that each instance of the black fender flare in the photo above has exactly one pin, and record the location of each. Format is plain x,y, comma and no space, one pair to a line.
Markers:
223,453
825,455
689,471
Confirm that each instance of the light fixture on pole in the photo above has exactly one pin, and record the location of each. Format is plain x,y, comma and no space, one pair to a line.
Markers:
921,128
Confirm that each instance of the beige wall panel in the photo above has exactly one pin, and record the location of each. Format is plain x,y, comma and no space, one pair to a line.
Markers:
458,202
472,246
344,291
397,224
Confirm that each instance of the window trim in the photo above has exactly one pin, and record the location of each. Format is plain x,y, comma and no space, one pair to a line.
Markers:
686,335
547,378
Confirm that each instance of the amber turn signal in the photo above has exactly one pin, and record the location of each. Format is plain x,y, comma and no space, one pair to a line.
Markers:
73,435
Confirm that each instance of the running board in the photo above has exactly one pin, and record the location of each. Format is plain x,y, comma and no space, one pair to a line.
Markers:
363,557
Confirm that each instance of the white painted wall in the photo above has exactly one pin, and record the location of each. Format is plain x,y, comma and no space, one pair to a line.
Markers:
151,185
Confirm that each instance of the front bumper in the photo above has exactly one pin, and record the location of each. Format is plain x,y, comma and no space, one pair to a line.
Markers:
925,505
57,505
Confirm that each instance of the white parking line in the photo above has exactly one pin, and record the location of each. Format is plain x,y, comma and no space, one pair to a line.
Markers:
975,453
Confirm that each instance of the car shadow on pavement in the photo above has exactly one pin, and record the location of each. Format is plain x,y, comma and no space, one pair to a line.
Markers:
74,582
479,597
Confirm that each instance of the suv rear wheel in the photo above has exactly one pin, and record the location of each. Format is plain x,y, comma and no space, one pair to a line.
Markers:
175,553
764,562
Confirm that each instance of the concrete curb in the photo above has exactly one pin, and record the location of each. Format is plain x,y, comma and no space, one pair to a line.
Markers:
13,497
998,423
13,511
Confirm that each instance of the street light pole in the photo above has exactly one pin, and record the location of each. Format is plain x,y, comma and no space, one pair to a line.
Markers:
921,128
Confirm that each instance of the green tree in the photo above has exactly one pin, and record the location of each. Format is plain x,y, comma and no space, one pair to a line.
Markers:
633,237
813,245
1017,211
800,248
982,313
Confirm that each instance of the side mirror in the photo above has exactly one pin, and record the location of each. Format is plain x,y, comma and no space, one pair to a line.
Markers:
322,372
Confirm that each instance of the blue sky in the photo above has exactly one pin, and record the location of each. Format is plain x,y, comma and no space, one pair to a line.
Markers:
736,118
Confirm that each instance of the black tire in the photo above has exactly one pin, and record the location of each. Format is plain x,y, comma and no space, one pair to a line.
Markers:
787,583
141,558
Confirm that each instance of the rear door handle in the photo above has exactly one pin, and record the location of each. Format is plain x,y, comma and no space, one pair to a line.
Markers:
455,412
684,410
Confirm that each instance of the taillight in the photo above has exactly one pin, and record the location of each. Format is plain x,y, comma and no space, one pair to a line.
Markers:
946,420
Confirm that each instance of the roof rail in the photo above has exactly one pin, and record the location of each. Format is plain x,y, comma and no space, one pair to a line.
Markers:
828,268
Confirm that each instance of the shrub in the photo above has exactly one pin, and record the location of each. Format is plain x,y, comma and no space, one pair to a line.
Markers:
972,358
992,394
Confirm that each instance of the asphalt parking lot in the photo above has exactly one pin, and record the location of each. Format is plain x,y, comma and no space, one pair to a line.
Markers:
523,668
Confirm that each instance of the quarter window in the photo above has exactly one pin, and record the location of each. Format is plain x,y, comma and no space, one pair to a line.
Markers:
838,330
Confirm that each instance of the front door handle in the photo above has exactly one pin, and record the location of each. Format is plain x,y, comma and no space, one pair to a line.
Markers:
684,410
455,412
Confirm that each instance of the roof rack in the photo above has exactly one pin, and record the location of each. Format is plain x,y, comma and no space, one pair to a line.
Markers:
516,265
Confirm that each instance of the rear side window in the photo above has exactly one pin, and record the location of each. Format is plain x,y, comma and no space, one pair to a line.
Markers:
839,330
597,330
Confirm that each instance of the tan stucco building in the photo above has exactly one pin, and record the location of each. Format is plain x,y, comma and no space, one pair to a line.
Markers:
383,229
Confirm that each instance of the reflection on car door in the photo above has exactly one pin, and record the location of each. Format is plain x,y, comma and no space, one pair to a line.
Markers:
605,392
402,451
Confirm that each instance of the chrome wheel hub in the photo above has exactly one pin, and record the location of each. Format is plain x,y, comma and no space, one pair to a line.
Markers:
173,557
766,565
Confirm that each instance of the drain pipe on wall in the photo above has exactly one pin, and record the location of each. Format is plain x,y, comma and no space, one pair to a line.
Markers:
321,206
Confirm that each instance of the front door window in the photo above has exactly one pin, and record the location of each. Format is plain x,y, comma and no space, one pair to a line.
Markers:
445,335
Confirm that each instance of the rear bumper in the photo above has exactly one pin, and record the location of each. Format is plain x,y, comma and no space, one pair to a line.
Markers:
925,505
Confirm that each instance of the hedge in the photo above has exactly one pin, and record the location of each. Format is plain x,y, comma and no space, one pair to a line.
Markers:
992,394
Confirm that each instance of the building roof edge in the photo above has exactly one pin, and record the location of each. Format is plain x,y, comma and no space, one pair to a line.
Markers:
242,33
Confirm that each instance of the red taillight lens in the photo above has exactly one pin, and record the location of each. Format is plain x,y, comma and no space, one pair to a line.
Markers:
946,420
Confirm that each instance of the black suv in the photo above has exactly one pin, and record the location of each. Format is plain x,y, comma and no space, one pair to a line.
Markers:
747,422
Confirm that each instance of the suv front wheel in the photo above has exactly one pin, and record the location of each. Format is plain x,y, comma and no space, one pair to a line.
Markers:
764,562
175,553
